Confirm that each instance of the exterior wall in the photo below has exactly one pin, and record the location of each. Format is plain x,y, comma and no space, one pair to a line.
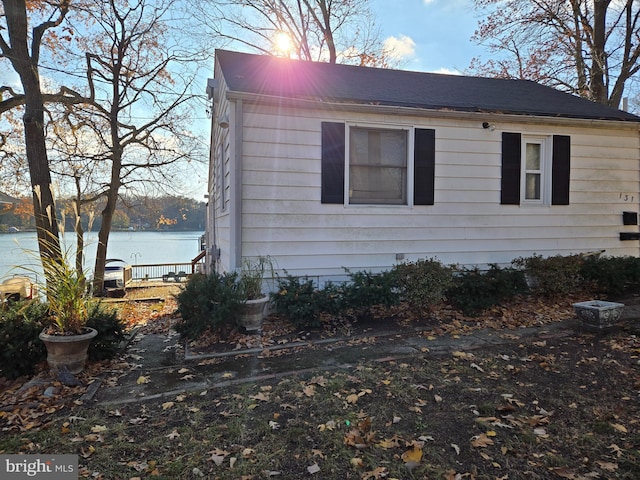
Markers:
282,216
220,226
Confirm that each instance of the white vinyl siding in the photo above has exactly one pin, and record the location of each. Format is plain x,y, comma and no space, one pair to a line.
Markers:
282,215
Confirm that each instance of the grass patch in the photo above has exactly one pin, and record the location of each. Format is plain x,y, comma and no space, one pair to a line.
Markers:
563,408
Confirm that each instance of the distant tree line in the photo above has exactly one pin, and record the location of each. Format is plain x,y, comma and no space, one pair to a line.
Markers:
143,213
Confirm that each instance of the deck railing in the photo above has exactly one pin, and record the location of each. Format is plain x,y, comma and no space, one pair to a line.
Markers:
165,271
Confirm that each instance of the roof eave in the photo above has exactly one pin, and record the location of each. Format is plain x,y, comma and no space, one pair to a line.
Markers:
516,117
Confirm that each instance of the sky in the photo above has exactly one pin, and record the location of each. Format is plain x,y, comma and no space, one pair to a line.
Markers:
440,30
431,35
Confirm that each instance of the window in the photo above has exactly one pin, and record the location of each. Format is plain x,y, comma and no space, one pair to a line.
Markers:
377,166
222,179
535,170
379,171
534,166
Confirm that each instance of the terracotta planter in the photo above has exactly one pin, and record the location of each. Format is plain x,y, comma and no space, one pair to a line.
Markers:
252,312
598,314
68,350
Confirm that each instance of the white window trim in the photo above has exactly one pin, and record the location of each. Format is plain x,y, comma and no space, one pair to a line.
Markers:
410,131
546,152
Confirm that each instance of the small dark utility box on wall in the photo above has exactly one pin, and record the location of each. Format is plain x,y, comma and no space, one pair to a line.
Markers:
630,218
629,236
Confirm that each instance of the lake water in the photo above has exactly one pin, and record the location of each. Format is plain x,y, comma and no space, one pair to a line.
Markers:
132,247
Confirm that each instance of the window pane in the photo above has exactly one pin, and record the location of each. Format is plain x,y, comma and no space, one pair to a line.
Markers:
532,190
533,156
377,166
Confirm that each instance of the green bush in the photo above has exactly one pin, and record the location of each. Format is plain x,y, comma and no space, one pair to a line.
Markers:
299,300
475,290
612,275
20,348
423,283
366,289
552,276
207,302
111,332
22,322
303,304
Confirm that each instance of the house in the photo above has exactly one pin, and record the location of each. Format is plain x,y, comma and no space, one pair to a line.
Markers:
326,166
7,203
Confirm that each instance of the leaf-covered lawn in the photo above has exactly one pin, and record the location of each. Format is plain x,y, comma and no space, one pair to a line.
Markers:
555,408
564,407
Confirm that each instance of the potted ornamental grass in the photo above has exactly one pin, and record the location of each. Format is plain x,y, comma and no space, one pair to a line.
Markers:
253,301
66,334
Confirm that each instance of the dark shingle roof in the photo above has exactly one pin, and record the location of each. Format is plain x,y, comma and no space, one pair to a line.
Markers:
268,75
4,198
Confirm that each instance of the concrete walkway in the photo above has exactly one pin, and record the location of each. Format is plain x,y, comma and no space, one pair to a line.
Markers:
164,369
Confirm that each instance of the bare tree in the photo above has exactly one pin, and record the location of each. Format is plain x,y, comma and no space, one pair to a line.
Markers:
21,47
586,47
137,121
14,178
336,31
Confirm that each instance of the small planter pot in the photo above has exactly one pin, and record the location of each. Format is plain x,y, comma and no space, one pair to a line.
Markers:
68,351
598,315
251,314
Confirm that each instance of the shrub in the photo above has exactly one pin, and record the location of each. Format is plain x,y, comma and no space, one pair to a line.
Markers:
22,322
303,304
475,290
20,348
207,302
612,275
423,283
366,289
111,332
299,301
551,276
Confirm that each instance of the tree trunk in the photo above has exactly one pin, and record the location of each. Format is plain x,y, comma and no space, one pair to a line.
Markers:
107,220
25,63
598,88
43,202
103,239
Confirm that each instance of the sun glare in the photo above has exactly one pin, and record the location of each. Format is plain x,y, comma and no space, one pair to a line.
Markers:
283,43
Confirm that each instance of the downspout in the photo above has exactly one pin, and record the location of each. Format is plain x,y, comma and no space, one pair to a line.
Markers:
210,261
238,122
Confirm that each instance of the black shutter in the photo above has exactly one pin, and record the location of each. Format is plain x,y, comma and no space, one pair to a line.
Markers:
424,163
560,170
333,146
511,164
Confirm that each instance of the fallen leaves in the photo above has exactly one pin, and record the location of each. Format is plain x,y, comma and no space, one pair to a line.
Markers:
619,428
261,396
354,397
361,435
480,408
413,455
481,441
